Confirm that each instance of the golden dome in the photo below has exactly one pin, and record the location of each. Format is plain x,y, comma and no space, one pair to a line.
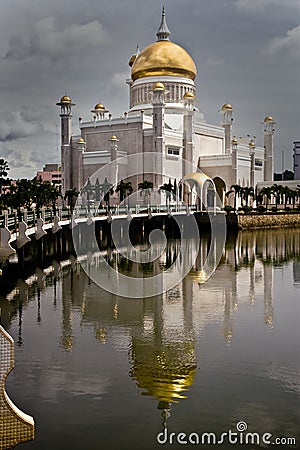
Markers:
268,119
252,144
158,87
99,106
227,107
114,138
65,99
163,58
189,95
81,141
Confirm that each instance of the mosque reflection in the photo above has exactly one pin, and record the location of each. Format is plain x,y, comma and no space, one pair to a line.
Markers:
162,330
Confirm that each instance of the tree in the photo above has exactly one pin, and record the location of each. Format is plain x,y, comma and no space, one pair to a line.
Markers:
124,188
169,191
71,196
266,192
145,189
107,190
236,189
277,192
4,169
246,193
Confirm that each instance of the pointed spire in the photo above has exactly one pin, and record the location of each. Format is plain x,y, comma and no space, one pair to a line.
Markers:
163,33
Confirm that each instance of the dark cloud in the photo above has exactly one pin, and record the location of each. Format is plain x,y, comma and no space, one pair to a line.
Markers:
46,41
14,125
246,52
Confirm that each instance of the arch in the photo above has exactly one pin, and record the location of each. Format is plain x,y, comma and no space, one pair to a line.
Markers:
204,185
220,189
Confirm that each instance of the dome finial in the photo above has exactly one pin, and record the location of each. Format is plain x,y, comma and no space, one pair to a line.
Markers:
163,33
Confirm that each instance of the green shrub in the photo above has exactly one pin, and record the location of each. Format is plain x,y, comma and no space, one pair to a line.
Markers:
246,209
228,208
261,209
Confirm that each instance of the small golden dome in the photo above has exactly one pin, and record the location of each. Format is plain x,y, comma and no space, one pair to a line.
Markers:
158,87
99,106
227,107
189,94
234,141
81,141
252,145
163,58
268,119
114,138
132,59
65,99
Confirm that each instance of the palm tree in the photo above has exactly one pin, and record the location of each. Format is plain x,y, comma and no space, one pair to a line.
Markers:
169,191
276,191
107,190
124,188
4,169
146,188
246,193
236,189
71,196
266,192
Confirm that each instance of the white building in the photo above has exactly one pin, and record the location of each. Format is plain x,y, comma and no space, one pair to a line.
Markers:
296,157
163,119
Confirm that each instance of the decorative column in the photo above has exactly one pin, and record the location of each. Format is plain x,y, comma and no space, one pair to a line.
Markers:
66,132
99,111
268,144
114,156
158,104
227,125
252,162
234,143
189,145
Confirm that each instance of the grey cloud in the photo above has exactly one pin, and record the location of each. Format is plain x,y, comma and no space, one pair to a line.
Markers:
48,42
290,43
258,6
14,126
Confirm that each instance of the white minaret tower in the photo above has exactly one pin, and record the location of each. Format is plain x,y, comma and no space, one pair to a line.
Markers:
252,147
158,104
227,125
268,143
66,132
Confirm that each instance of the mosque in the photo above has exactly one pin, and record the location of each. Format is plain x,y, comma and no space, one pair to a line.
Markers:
163,119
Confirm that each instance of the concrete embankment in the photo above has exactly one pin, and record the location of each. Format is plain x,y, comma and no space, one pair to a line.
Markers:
259,221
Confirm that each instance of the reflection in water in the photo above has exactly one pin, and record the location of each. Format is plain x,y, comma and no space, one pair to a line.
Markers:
15,426
160,335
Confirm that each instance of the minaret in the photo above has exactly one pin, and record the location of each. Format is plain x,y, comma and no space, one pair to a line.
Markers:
188,130
252,146
99,111
114,156
268,144
234,144
66,132
163,33
227,125
158,105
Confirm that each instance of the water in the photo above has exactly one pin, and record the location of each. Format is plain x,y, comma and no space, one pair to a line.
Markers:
99,371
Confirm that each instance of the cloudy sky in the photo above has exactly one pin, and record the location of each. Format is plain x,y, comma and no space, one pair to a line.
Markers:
247,53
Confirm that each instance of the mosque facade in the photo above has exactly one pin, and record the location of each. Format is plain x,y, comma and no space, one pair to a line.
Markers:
163,119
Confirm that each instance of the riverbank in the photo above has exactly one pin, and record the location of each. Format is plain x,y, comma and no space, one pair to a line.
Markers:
261,221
